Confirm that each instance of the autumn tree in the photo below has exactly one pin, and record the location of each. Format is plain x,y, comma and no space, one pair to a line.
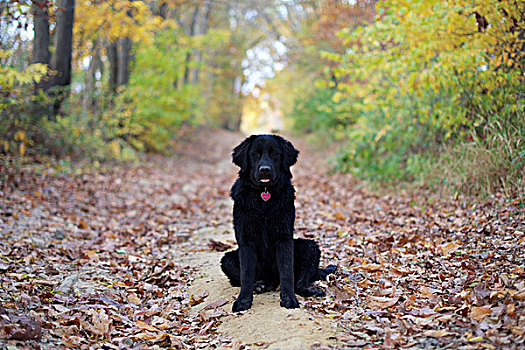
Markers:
426,74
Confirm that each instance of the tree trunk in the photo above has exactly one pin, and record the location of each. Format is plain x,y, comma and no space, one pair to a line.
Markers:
42,39
112,53
41,27
193,27
202,30
61,61
124,52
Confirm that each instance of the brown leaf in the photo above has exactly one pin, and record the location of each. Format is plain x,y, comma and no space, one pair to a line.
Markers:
381,302
520,295
101,321
206,328
82,224
218,246
339,216
425,292
145,336
479,313
92,255
436,333
445,318
133,298
215,304
144,325
194,300
372,267
449,248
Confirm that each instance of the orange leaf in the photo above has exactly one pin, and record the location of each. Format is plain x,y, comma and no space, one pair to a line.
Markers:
370,267
144,325
479,313
339,216
449,248
520,295
82,224
425,292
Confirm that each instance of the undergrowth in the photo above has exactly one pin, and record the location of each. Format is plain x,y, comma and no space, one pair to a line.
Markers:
483,166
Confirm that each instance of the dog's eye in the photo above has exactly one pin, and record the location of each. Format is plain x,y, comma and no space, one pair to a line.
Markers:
273,154
257,155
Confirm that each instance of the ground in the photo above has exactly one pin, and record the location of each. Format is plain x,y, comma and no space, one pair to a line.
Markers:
126,256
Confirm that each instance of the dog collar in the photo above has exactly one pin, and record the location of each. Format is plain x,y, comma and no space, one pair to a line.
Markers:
265,195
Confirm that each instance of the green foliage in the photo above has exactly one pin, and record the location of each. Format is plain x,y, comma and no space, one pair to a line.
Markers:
427,74
318,109
149,111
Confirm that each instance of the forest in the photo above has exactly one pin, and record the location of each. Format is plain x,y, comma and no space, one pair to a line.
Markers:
117,122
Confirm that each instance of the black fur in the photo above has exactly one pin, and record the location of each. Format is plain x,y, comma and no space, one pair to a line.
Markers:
268,255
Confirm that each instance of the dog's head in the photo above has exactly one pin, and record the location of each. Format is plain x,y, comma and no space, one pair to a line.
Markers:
265,160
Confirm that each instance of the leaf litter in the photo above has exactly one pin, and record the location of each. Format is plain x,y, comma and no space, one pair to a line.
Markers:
99,258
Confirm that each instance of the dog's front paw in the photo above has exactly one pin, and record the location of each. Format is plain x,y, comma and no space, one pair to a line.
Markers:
289,302
241,304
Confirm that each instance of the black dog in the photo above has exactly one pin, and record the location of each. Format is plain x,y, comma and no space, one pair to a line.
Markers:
263,218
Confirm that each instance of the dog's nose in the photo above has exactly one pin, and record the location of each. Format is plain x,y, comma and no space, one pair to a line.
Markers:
265,169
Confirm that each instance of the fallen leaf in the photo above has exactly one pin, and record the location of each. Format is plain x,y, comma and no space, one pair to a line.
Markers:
381,302
449,248
144,325
218,246
479,313
133,298
436,333
215,304
82,224
371,267
339,216
425,293
445,318
101,321
92,255
519,295
145,336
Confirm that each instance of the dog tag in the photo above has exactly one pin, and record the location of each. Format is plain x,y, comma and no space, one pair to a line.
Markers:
265,195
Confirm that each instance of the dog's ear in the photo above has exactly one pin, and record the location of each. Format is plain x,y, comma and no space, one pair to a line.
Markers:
290,155
240,153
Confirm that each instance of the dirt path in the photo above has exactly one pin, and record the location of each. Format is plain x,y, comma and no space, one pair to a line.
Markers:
266,324
119,258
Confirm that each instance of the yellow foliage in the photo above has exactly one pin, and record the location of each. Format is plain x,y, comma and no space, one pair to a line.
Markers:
11,77
110,20
431,45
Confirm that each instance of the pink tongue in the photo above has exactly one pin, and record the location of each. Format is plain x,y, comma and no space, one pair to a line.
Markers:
265,180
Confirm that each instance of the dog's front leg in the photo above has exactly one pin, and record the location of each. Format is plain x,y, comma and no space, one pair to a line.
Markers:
248,260
284,257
